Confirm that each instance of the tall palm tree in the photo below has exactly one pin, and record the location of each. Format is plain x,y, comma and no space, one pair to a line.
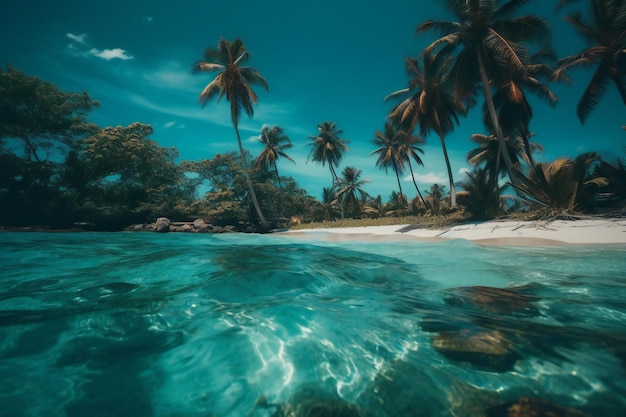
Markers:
489,39
388,151
350,189
410,150
488,153
328,147
275,142
606,32
511,102
235,82
429,104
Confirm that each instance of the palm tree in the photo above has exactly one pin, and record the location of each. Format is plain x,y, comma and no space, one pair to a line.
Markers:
388,151
491,40
329,203
235,82
480,196
428,102
376,208
607,34
350,191
561,184
409,151
328,147
488,153
511,103
275,143
436,195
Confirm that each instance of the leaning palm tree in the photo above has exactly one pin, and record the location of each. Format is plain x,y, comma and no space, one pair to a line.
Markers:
606,32
429,104
511,102
562,184
350,189
275,142
480,196
328,147
489,39
388,151
410,150
235,82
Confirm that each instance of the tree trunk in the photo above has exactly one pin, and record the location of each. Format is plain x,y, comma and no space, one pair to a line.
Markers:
417,188
445,156
395,168
264,224
529,151
494,117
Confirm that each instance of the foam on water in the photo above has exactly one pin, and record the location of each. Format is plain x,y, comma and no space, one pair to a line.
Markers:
198,325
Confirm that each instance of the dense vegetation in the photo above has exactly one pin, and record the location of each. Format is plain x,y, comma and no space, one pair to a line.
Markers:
59,170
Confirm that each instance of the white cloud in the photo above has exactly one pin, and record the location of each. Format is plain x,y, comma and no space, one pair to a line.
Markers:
110,54
463,171
169,124
77,38
429,178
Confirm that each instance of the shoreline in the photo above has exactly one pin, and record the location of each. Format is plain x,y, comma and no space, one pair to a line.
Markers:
610,231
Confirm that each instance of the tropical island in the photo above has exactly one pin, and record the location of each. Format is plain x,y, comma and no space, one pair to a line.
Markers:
61,171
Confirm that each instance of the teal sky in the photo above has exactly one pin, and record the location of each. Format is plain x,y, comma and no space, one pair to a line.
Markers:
323,60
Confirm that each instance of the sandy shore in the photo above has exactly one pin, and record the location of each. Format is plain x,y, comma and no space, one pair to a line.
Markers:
514,233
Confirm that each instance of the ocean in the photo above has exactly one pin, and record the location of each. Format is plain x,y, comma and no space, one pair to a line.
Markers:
145,324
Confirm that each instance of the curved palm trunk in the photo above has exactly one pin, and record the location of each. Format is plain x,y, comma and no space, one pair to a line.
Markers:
395,168
445,155
494,117
417,188
333,174
255,202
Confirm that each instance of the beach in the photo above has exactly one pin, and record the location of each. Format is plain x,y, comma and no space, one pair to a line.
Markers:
608,231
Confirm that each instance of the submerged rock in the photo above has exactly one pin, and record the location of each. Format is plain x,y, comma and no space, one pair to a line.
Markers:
481,349
494,300
533,407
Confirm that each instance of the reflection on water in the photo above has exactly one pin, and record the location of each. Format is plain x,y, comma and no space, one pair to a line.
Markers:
245,325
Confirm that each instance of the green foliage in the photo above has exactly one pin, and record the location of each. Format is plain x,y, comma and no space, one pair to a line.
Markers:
481,195
40,115
564,184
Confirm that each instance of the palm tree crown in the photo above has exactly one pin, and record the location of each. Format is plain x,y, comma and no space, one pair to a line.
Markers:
233,81
606,33
350,191
275,142
328,147
389,151
489,40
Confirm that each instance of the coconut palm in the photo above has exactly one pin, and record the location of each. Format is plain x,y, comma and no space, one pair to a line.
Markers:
561,184
480,196
329,204
328,147
436,194
606,32
410,150
488,153
375,207
489,39
350,189
275,142
511,102
429,104
388,151
235,82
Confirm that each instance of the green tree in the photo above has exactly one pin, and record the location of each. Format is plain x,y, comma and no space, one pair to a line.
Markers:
328,148
436,195
235,82
275,142
410,150
389,154
489,40
40,115
606,32
481,194
350,190
429,104
564,184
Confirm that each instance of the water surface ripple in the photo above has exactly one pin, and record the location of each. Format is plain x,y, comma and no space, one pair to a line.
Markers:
245,325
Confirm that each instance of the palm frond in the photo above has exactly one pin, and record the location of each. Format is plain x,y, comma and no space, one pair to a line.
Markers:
207,67
593,93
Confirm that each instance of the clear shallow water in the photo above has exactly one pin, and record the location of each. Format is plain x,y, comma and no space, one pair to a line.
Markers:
226,325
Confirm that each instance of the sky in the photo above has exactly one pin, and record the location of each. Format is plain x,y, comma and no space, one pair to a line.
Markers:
324,60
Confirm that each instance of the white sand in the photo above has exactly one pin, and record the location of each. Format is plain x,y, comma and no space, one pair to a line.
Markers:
535,233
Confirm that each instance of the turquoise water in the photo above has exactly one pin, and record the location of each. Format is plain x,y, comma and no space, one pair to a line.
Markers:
246,325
